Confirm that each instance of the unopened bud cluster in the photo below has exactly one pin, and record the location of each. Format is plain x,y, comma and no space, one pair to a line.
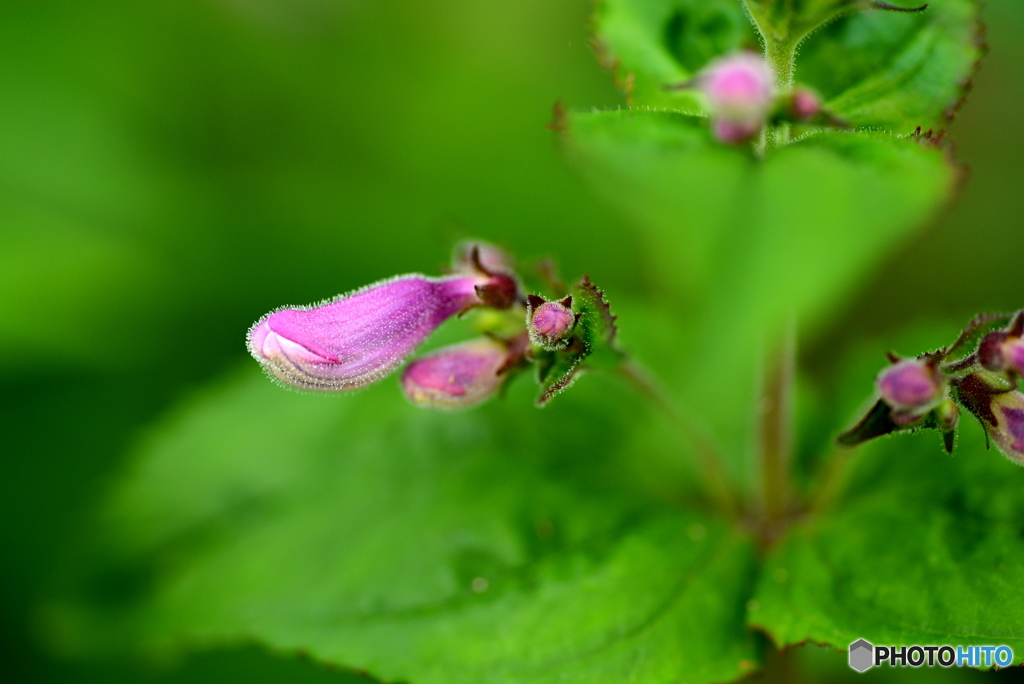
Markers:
742,97
357,339
928,391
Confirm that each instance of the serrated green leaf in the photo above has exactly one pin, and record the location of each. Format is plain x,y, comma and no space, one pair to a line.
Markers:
878,69
500,545
924,549
593,343
747,246
892,70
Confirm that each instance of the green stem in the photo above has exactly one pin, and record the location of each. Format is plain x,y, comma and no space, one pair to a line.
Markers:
710,461
780,53
776,441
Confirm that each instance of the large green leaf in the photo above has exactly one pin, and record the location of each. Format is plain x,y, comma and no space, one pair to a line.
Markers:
889,70
747,246
502,545
925,549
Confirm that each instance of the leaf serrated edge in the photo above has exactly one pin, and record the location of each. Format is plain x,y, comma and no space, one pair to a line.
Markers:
623,81
605,311
966,85
561,384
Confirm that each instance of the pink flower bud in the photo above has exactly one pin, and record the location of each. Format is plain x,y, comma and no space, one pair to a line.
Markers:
804,104
912,387
358,338
740,90
456,377
1001,352
1006,424
550,324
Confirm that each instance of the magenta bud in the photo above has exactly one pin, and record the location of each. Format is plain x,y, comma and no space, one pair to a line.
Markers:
1001,352
1007,425
456,377
804,104
740,90
550,324
489,258
912,387
358,338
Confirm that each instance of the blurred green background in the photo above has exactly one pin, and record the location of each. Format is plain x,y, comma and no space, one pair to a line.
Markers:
170,170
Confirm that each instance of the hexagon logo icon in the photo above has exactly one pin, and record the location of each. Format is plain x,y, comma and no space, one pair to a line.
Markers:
861,655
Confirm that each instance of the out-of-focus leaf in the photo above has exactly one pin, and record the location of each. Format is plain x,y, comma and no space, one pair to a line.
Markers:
501,545
654,44
889,70
748,245
924,549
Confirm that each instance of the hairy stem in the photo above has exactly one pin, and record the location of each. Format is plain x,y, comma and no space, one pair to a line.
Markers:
964,364
780,53
781,57
710,461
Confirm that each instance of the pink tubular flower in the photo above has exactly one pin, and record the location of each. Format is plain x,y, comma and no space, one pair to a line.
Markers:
912,387
456,377
358,338
740,89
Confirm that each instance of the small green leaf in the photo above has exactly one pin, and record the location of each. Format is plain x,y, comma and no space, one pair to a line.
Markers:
925,549
502,545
